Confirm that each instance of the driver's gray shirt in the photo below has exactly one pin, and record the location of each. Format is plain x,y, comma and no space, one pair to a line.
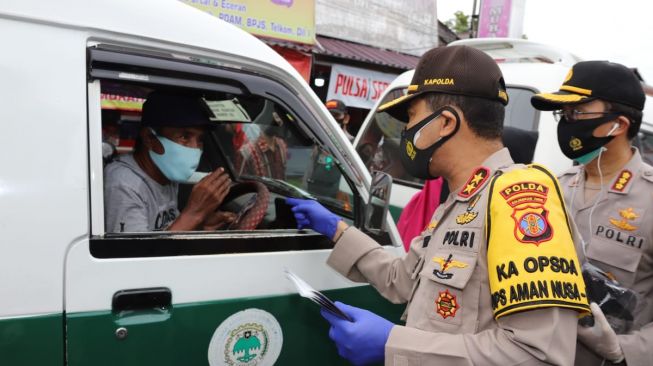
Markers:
133,201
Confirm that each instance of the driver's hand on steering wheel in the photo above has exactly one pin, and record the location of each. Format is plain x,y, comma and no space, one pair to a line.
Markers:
218,219
205,198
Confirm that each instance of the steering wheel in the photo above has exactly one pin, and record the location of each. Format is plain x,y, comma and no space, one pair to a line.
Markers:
252,213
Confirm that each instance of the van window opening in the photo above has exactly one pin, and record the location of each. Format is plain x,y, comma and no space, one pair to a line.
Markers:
255,139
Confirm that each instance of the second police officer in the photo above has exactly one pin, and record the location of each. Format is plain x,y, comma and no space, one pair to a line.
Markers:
609,195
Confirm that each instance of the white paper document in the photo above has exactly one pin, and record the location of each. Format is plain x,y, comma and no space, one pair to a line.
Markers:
305,290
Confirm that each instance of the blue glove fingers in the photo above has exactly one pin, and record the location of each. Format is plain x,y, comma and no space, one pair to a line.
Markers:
352,311
331,318
303,225
300,216
332,333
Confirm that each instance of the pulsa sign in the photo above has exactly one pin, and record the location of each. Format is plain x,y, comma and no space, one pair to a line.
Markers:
356,87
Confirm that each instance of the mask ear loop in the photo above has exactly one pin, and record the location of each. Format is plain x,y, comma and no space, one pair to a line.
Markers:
442,139
419,133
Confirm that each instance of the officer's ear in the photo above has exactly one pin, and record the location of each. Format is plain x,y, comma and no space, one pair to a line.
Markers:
449,123
623,123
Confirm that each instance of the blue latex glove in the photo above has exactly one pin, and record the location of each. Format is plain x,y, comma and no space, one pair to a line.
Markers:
311,214
362,341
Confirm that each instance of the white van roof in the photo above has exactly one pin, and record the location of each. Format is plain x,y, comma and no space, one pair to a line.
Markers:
167,20
519,50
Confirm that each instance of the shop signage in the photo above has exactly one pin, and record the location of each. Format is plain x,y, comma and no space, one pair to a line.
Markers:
291,20
357,87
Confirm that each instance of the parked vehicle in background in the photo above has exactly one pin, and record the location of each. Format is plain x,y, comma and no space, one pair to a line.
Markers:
528,68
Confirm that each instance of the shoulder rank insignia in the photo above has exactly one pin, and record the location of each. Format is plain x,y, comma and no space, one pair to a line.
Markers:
469,215
446,264
475,182
621,182
627,215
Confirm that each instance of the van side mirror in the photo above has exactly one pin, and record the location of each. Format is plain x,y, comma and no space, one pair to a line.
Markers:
376,209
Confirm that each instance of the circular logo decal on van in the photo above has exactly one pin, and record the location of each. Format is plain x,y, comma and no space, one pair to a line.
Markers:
247,338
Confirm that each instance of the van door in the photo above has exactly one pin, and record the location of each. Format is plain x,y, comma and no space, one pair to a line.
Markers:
219,297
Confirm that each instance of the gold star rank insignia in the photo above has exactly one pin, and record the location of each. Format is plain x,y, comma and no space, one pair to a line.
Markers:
622,181
475,182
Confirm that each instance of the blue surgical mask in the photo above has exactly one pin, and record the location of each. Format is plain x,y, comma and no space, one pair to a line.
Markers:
177,162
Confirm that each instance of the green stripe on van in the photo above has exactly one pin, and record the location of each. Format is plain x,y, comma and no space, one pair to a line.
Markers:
395,212
181,335
31,341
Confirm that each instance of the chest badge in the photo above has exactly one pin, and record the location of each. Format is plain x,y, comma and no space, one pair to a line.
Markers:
475,182
627,215
446,264
446,304
469,215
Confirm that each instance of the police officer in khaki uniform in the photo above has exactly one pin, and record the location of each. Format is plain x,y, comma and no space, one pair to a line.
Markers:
610,197
494,279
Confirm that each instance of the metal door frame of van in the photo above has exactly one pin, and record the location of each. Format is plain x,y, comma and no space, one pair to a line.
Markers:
152,68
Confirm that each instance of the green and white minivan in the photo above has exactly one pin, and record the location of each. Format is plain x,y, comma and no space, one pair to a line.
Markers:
528,68
74,76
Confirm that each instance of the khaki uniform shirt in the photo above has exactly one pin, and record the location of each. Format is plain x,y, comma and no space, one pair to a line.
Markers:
449,319
619,241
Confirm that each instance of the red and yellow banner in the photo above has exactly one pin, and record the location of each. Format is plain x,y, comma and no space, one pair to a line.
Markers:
121,102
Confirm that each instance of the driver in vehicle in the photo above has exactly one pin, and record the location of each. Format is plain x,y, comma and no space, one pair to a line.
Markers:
140,189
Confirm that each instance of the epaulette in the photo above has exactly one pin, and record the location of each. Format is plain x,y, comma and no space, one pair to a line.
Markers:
647,174
571,171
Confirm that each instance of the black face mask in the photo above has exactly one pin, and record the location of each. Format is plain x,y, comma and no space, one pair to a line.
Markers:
576,139
416,161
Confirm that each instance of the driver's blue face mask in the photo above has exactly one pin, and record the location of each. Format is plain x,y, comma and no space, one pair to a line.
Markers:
178,162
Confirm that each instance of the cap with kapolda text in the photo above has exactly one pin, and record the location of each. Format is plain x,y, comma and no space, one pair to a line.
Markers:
458,70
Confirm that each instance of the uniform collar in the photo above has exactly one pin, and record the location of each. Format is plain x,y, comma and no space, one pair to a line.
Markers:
578,175
482,174
623,182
